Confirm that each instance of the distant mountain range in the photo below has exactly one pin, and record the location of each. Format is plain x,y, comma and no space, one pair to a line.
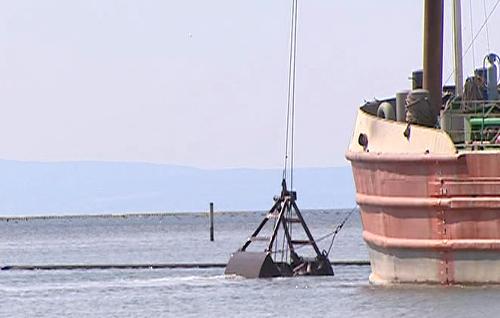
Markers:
33,188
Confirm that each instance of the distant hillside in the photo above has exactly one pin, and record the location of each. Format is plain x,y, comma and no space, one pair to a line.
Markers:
28,188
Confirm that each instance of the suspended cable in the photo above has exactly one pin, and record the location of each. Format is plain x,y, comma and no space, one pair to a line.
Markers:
477,34
472,35
283,208
292,153
338,228
482,27
284,247
487,31
276,241
285,163
334,232
290,116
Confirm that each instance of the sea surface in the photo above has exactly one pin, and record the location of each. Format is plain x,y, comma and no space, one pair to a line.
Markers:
184,238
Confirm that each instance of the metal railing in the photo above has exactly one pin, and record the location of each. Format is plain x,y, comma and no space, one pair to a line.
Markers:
473,125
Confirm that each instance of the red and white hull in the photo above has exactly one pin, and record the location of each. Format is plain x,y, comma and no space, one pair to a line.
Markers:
429,214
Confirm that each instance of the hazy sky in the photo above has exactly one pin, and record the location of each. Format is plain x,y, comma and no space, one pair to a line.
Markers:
202,83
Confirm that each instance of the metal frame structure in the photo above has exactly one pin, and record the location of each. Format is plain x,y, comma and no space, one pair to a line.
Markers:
260,264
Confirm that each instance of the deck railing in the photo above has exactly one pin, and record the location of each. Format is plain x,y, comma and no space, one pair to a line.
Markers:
473,125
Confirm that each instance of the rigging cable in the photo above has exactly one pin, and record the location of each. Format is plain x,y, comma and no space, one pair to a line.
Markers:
283,251
487,31
293,96
290,124
290,115
482,26
338,228
334,232
475,37
472,35
285,163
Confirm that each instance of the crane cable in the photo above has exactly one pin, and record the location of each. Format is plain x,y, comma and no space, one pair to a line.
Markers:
472,35
290,119
487,31
290,131
337,230
333,233
290,114
475,36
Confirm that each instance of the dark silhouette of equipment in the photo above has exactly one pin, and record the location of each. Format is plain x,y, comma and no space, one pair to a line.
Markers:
266,264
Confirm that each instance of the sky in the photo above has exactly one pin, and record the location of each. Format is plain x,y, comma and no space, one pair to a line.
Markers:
204,83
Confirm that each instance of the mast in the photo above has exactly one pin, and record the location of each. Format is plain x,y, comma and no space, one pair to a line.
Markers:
457,39
433,52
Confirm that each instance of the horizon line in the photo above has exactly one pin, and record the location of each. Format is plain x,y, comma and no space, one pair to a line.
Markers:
135,162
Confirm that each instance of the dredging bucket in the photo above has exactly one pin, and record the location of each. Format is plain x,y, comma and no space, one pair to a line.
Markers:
252,265
261,264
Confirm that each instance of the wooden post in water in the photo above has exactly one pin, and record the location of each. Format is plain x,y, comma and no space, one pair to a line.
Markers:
211,216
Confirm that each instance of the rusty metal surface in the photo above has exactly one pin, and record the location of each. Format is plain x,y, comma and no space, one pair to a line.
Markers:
438,212
435,205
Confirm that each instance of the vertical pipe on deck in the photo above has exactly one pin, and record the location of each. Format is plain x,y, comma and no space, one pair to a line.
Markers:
433,52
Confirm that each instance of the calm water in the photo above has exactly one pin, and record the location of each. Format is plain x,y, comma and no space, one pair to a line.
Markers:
199,292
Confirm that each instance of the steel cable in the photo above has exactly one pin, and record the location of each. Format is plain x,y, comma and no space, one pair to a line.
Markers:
334,232
475,37
290,115
487,31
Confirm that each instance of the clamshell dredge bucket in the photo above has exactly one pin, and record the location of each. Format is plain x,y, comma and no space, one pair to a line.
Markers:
261,264
252,265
